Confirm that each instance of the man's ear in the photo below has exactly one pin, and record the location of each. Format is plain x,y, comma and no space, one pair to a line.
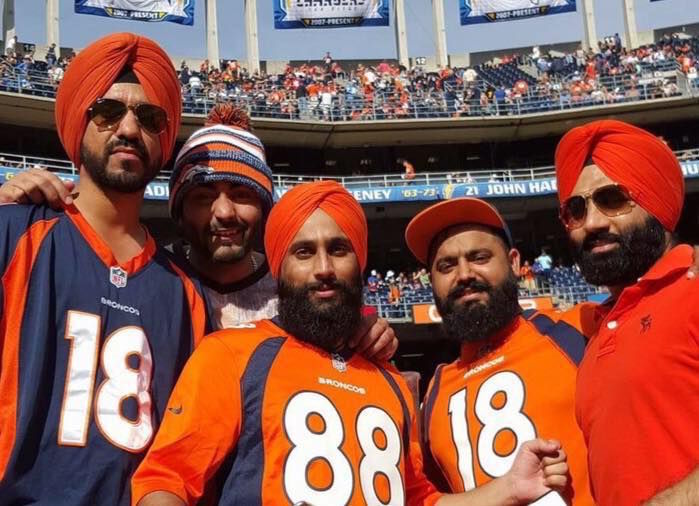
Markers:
514,259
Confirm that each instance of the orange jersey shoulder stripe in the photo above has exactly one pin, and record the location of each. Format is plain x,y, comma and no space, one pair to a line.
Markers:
14,284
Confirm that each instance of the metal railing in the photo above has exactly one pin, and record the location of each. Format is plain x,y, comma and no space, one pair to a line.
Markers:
22,162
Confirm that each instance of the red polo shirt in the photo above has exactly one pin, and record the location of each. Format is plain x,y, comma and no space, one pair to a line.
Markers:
637,399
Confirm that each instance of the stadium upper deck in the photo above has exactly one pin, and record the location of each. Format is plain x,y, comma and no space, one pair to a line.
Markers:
514,85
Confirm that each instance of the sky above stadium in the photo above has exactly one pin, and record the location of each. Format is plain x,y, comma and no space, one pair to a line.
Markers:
77,30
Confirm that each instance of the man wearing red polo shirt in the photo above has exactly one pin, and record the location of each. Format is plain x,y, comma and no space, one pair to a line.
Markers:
637,401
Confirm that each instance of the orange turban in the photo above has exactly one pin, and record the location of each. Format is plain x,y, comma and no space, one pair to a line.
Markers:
293,209
630,156
93,72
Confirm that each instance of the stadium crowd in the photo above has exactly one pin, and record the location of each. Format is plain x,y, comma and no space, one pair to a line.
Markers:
328,91
541,276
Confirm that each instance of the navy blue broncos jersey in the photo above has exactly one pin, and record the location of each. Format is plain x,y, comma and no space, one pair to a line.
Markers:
90,351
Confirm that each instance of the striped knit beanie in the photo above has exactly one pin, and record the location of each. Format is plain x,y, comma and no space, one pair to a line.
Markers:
221,152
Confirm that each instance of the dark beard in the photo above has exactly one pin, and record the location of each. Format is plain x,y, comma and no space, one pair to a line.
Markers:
477,321
123,181
638,250
328,325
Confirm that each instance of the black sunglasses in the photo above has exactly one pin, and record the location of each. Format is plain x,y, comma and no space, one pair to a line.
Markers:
612,200
107,113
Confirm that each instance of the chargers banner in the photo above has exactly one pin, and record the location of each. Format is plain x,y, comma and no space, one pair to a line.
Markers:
176,11
485,11
329,13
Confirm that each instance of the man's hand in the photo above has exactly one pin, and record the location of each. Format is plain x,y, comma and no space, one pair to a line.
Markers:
375,339
539,467
693,271
37,186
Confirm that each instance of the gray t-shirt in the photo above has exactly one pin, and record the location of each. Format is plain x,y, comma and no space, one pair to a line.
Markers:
257,301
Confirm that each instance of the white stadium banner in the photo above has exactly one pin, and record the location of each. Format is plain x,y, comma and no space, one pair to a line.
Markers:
329,13
176,11
486,11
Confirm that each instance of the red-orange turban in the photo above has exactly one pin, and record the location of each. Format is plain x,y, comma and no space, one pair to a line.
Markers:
630,156
293,209
93,72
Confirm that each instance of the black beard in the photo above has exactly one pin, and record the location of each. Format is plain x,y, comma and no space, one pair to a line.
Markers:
638,250
327,325
124,181
476,321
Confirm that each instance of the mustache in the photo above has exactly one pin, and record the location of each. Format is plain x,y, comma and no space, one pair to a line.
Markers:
606,237
134,144
333,284
238,227
468,286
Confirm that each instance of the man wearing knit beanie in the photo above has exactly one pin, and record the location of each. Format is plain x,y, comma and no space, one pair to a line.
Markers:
220,195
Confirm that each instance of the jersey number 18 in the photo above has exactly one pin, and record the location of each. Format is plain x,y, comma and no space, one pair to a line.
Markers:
121,381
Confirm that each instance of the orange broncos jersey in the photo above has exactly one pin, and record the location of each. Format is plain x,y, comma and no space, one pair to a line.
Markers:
285,422
481,408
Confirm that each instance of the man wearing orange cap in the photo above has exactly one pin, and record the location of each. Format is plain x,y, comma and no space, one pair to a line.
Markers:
295,416
621,191
515,377
96,320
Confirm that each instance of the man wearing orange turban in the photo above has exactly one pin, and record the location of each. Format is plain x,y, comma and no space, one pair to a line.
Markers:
92,73
290,213
621,191
96,320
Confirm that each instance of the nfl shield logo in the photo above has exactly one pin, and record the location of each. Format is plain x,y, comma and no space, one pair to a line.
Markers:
118,277
339,362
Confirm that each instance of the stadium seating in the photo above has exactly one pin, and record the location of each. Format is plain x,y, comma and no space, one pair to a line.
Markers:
565,285
387,92
504,75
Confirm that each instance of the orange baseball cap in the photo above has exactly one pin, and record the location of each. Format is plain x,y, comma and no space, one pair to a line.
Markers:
429,222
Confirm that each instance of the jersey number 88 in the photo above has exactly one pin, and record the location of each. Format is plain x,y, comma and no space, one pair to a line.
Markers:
310,446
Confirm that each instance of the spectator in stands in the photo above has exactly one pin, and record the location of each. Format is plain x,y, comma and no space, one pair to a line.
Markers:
409,171
184,73
302,98
425,278
56,74
544,262
527,276
373,282
394,293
